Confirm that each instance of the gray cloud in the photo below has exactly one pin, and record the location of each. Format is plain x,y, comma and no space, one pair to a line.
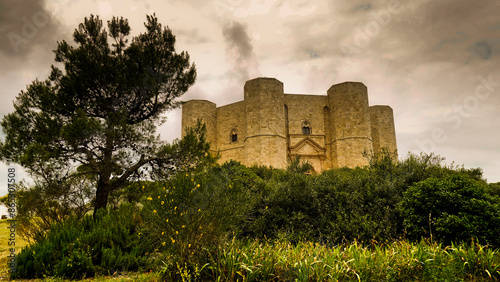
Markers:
482,49
448,28
245,63
364,7
236,37
26,25
436,29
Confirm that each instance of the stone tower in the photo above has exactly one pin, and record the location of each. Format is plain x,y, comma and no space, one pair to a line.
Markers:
265,142
383,130
269,127
205,111
350,124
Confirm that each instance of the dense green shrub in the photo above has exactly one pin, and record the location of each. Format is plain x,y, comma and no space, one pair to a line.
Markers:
357,205
340,204
188,216
494,189
454,208
78,248
285,205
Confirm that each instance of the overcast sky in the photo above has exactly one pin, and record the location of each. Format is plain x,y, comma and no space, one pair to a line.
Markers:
435,62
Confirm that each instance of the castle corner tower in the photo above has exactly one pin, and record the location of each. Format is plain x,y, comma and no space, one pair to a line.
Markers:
265,142
351,128
383,130
205,111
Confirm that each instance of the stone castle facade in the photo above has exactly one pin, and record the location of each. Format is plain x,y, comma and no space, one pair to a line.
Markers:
270,127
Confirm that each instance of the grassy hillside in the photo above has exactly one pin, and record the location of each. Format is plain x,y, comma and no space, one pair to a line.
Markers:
5,248
414,220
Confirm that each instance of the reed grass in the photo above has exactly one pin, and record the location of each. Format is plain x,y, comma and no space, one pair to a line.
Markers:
396,261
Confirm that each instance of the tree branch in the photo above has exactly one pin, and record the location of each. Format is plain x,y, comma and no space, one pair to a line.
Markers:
142,161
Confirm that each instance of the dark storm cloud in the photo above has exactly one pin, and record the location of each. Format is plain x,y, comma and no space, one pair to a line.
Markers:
236,37
457,14
26,25
312,54
240,50
435,30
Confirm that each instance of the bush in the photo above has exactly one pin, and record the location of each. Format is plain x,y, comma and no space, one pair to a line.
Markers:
340,204
50,202
343,204
188,216
284,208
494,189
454,208
83,248
357,205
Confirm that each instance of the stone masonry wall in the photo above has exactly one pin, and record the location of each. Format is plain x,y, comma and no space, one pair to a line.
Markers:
231,118
306,108
268,124
310,109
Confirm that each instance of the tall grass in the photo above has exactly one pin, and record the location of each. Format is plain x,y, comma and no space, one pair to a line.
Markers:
5,247
306,261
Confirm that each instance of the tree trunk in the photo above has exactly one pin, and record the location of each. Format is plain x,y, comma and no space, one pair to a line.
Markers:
103,185
101,198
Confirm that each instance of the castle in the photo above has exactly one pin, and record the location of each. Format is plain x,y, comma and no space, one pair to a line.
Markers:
269,127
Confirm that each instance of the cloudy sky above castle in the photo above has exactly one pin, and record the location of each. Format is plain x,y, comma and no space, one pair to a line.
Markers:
436,63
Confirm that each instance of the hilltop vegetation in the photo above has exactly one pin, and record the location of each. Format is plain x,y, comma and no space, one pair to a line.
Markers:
109,196
200,224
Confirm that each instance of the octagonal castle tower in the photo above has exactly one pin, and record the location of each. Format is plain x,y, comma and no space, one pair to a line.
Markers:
350,124
269,127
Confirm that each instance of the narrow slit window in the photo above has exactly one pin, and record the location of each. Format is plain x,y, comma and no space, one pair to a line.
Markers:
234,136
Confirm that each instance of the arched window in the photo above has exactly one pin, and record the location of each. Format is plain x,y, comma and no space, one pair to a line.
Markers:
306,128
234,136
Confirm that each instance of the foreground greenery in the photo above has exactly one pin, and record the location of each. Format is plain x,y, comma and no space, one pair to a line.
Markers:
84,248
412,220
5,248
307,261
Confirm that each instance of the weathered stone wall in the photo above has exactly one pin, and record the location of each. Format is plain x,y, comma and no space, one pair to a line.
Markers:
307,109
383,130
231,118
351,124
269,125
